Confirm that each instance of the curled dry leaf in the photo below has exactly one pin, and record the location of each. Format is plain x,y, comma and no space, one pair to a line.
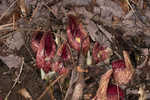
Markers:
103,85
46,51
64,51
25,94
24,6
123,70
106,91
36,38
100,53
77,35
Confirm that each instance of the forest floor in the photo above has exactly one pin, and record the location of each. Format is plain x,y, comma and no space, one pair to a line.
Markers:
117,25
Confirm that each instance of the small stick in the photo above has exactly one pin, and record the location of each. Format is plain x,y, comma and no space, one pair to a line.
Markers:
48,87
14,20
16,80
107,35
6,26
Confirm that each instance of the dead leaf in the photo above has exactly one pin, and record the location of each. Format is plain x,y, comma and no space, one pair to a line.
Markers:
15,41
25,93
102,90
77,2
3,6
24,6
109,9
12,61
142,92
92,29
116,20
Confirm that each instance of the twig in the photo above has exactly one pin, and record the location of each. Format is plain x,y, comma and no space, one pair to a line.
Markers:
107,35
143,64
16,80
73,80
51,94
127,1
30,53
14,21
49,86
6,27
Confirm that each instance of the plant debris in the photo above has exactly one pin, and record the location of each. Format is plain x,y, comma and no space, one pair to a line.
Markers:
74,49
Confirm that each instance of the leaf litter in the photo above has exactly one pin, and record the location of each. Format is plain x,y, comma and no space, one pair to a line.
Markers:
117,25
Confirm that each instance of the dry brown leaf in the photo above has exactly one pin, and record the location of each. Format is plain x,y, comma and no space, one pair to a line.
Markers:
24,7
142,92
116,20
12,61
102,90
25,93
